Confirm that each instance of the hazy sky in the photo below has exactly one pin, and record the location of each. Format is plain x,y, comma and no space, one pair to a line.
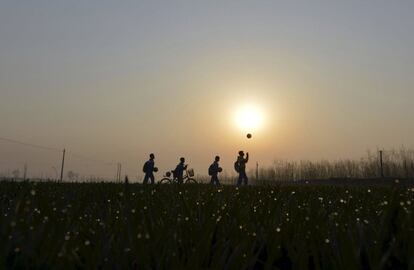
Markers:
116,80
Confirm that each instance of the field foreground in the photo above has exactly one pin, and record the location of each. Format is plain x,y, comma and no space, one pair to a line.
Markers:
116,226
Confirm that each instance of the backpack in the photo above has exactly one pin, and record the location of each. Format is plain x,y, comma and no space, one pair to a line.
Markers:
211,170
145,168
237,166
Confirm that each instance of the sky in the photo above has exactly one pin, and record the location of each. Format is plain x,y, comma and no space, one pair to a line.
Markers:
112,81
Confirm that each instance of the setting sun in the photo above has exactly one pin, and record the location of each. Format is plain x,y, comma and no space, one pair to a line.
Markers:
249,118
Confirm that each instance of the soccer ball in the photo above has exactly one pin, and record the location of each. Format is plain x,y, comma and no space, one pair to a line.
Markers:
249,136
155,169
220,169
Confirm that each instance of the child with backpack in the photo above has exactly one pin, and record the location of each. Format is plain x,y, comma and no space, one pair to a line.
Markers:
240,167
149,169
214,170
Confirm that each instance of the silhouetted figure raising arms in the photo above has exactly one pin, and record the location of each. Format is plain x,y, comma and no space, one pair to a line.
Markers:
149,169
179,170
214,170
240,167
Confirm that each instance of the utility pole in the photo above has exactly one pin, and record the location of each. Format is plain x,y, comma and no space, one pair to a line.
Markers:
63,165
25,171
381,164
118,172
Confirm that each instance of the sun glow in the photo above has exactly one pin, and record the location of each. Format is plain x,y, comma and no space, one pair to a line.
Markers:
249,118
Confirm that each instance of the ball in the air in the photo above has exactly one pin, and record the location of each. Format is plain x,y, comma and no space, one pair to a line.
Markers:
249,136
155,169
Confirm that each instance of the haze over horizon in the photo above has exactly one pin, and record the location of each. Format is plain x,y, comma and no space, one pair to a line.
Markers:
114,81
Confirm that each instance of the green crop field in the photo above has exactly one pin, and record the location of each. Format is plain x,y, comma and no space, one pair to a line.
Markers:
117,226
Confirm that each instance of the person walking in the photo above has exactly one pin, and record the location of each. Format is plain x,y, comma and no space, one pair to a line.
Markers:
149,169
214,170
240,167
179,170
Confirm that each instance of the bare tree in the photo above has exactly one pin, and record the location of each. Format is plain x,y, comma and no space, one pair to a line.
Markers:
72,175
16,173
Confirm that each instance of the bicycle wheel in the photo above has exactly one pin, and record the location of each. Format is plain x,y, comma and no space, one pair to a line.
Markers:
165,181
191,181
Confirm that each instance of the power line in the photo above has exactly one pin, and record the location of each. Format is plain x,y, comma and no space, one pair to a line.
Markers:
90,159
30,144
57,150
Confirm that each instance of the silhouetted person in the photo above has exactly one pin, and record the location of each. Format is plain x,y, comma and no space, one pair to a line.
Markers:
240,167
214,170
126,180
148,169
179,170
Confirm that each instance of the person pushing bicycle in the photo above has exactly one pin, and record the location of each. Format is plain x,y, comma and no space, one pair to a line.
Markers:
179,170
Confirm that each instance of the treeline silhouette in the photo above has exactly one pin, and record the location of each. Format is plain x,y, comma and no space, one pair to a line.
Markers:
395,164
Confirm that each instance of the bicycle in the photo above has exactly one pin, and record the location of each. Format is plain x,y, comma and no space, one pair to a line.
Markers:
187,179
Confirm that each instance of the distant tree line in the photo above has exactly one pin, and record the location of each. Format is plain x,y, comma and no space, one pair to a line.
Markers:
395,164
